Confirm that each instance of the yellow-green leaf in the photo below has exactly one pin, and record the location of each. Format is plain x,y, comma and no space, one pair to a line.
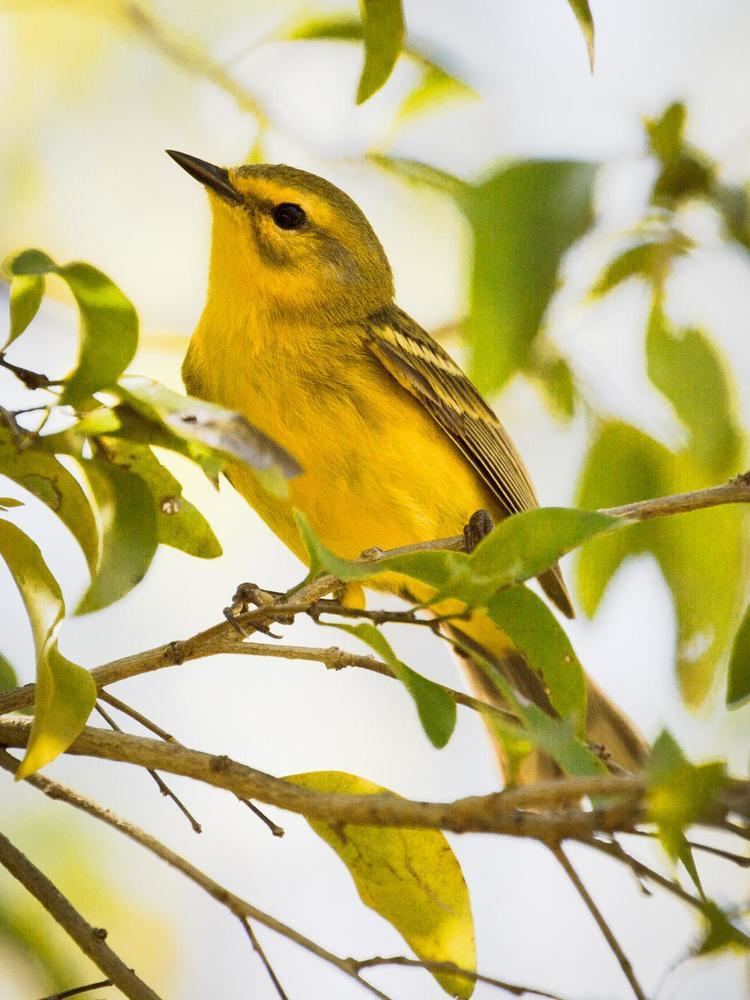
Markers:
7,502
128,533
26,292
412,878
650,260
666,133
8,675
65,692
585,20
383,34
738,684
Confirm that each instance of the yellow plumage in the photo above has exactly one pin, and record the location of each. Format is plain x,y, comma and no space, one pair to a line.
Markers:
301,335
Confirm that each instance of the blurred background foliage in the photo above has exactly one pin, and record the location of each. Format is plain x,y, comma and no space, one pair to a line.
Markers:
531,239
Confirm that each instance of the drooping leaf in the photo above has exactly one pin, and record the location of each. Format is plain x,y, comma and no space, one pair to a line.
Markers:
686,367
585,20
383,34
536,633
65,692
179,523
128,533
738,684
523,218
410,877
210,428
26,292
436,708
43,475
678,793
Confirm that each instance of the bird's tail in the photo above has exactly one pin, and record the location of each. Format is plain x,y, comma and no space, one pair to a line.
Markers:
607,726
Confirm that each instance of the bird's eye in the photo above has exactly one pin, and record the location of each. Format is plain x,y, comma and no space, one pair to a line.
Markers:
287,215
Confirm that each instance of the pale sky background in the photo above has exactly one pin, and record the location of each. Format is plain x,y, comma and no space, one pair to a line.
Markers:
87,109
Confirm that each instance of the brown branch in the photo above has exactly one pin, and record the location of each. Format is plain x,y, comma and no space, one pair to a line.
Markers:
235,904
601,922
737,490
263,957
91,940
77,990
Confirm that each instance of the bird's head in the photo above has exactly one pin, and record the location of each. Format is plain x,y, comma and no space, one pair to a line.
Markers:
293,241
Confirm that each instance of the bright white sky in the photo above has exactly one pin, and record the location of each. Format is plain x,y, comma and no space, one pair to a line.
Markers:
87,111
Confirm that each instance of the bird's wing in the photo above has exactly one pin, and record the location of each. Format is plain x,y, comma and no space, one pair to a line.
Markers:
421,366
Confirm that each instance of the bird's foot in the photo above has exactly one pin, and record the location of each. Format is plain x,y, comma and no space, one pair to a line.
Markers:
247,596
479,526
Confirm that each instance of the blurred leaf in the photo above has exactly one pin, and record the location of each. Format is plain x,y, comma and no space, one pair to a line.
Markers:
436,708
651,261
535,632
518,548
738,685
555,377
733,204
685,366
622,465
677,792
582,13
208,427
128,533
65,692
558,738
179,523
44,476
383,34
7,502
524,218
720,933
687,176
8,675
416,172
410,877
666,133
435,87
108,334
26,292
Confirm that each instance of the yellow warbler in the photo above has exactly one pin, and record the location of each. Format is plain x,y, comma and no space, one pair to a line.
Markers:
300,334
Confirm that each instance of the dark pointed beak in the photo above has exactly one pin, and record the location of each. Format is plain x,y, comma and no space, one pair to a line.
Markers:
216,178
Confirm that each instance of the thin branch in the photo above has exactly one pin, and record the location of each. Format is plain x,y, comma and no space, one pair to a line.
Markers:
737,490
77,990
235,904
161,784
90,940
742,860
609,936
263,957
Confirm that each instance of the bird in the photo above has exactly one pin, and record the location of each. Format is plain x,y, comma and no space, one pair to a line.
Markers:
300,334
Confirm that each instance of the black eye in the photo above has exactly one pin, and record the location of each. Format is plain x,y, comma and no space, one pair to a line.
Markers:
287,215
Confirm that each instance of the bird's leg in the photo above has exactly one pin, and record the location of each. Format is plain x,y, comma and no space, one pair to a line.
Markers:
479,526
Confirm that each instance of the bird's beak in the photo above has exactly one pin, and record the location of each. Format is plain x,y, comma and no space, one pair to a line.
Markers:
216,178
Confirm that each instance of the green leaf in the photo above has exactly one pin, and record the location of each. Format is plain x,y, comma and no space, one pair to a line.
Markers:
8,675
129,533
686,367
436,708
108,333
738,683
383,34
650,261
65,692
678,793
582,13
435,87
558,738
536,633
47,479
179,523
622,465
523,218
666,134
411,878
720,933
555,377
7,502
423,174
210,430
26,293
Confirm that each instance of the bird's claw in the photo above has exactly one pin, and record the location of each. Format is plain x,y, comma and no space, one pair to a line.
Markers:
479,526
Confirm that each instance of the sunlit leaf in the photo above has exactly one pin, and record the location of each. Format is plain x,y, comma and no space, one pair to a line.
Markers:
678,793
536,633
585,20
205,425
65,692
410,877
686,367
523,218
43,475
128,533
108,334
26,292
383,34
179,523
738,684
436,708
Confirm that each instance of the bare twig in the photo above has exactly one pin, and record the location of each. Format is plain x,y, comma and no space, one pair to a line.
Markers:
263,957
607,932
77,990
91,940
